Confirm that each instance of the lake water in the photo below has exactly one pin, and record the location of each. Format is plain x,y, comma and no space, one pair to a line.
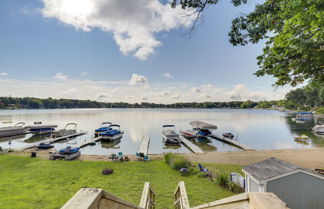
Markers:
258,129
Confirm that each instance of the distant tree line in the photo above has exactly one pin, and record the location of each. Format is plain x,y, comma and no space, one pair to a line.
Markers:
50,103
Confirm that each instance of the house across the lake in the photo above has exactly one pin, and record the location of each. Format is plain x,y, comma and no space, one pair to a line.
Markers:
298,187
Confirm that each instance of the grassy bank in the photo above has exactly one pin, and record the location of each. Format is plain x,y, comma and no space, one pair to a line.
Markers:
36,183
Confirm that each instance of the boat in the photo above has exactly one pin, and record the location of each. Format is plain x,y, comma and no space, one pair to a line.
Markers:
67,153
302,139
45,146
188,134
69,129
228,135
18,129
38,128
170,137
203,129
104,127
318,129
112,133
304,115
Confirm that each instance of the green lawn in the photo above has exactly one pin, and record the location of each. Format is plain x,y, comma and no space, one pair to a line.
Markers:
35,183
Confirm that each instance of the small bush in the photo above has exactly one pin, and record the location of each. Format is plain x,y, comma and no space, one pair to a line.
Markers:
235,187
176,161
222,179
320,110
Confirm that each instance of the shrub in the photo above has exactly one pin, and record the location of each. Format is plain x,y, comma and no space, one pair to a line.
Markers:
176,161
222,179
235,187
320,110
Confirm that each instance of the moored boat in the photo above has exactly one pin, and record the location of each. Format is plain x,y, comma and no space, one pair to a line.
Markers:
18,129
104,127
203,129
112,133
228,135
170,137
39,128
67,153
45,146
69,129
188,133
318,129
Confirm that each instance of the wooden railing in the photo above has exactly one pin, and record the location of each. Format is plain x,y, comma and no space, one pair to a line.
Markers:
148,197
180,196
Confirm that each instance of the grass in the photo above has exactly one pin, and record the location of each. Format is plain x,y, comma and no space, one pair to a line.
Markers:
37,183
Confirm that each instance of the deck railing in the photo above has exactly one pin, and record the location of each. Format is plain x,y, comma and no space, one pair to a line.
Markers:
180,196
148,197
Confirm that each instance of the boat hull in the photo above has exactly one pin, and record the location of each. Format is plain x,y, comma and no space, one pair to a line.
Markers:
12,131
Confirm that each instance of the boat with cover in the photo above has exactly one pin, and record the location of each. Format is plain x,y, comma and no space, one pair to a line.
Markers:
203,129
104,127
45,146
67,153
69,129
189,134
318,129
170,137
228,135
18,129
39,128
304,115
112,133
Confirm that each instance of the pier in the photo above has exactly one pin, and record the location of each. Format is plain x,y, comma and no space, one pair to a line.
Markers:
231,141
191,146
144,146
51,140
86,143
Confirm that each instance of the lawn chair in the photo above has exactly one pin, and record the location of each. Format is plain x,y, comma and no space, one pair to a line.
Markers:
113,157
184,171
202,168
120,156
146,158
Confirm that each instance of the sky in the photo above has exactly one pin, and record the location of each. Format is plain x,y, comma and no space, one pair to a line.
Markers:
126,51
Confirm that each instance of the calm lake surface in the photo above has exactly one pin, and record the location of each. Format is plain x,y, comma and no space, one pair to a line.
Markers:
259,129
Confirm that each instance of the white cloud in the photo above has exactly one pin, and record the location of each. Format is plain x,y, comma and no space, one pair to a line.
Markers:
61,76
144,98
167,75
84,74
121,91
137,79
102,97
3,74
196,90
133,23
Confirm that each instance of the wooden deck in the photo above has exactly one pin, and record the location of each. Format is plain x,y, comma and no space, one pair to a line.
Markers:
51,141
231,141
144,146
86,143
191,146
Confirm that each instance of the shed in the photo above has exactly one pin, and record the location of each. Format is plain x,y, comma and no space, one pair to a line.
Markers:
298,187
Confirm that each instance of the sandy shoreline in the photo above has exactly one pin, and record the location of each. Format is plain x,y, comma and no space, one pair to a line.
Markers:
309,157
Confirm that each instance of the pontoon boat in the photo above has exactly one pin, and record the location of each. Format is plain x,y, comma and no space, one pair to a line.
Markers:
39,128
113,133
18,129
69,129
170,136
104,127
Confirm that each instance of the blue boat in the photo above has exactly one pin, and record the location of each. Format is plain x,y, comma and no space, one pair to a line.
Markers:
39,128
67,153
105,126
45,146
112,133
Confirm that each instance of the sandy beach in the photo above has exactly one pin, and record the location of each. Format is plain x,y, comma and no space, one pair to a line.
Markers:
309,158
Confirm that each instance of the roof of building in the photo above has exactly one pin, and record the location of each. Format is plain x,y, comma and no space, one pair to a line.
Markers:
270,168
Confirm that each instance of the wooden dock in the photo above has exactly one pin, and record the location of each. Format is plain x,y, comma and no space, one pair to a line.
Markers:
51,140
86,143
144,146
191,146
231,141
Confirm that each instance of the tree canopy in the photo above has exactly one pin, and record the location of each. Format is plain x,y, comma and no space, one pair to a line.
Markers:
294,35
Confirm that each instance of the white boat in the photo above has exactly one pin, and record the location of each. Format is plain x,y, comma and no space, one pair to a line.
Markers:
39,128
69,129
318,129
18,129
170,136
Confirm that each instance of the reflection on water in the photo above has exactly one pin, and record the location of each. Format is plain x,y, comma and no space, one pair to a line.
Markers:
258,129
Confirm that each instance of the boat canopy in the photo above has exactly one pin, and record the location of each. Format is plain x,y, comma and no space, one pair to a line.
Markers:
74,125
115,125
104,123
202,125
168,126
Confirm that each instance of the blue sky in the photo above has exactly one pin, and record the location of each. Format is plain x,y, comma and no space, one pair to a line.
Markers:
125,52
